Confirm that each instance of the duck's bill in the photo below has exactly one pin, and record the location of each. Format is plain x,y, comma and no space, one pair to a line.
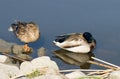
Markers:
10,29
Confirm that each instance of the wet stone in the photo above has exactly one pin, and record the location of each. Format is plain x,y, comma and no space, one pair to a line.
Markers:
13,49
5,46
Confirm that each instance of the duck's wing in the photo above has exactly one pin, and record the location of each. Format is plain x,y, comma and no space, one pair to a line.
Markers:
69,40
73,42
66,37
61,38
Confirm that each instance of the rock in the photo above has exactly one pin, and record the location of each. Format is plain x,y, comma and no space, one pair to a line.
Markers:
9,71
3,75
24,57
44,61
8,61
18,49
3,59
114,75
5,46
75,75
49,77
14,49
39,68
36,63
41,51
51,74
26,67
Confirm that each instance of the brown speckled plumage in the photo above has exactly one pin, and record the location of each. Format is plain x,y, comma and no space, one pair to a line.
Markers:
26,32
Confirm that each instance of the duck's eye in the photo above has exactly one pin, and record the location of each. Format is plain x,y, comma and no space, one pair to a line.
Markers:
16,27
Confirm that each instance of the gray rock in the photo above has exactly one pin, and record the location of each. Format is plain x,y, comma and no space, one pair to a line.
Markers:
114,75
9,71
44,66
3,75
5,46
41,51
75,75
39,68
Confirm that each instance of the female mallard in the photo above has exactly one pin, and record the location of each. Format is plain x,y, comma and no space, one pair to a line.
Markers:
26,32
76,42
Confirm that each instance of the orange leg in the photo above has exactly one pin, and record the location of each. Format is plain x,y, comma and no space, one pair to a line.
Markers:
26,48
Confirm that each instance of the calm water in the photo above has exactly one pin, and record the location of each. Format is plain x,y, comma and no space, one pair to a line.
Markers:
55,17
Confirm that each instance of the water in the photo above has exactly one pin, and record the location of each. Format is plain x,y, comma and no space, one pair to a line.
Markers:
55,17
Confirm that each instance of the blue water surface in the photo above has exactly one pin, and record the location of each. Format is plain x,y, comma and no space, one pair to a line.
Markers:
55,17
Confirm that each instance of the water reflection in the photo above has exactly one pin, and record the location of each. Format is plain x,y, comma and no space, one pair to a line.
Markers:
78,59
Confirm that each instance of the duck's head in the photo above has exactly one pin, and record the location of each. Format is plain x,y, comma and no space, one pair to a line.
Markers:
88,36
15,26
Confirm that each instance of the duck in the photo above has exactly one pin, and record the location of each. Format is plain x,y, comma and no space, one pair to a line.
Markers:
76,42
26,32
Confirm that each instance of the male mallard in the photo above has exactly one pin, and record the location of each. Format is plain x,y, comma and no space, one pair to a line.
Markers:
26,32
76,42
